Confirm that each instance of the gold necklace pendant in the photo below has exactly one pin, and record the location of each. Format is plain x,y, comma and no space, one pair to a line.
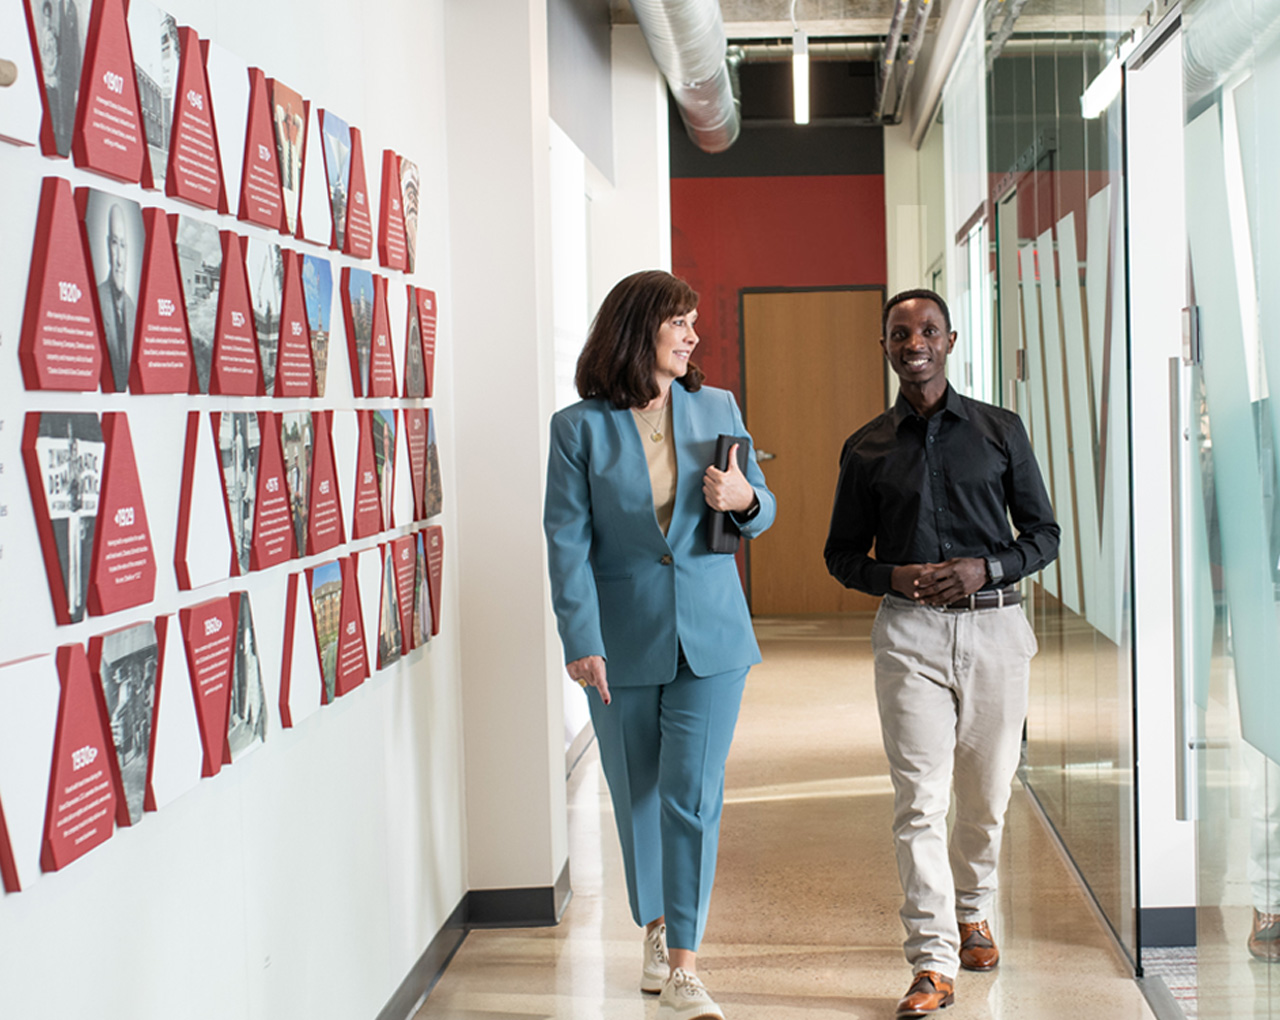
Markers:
656,436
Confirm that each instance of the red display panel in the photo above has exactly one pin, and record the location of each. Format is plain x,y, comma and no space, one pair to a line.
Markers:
124,562
163,636
352,665
415,437
235,371
109,138
239,440
404,557
61,345
195,169
289,118
392,247
82,799
294,374
359,226
367,516
260,199
8,866
382,361
162,352
63,454
209,633
390,630
272,517
324,520
426,304
127,664
434,541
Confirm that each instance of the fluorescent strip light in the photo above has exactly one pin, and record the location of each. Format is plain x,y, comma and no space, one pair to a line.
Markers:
1102,91
800,75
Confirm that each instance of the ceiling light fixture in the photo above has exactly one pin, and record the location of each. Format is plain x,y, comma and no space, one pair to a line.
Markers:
799,68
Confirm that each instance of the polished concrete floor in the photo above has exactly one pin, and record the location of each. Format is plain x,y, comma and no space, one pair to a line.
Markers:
804,917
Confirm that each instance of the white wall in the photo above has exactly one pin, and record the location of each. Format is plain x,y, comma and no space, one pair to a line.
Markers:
307,879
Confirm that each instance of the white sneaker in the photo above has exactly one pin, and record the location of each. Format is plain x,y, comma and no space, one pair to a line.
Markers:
656,967
684,998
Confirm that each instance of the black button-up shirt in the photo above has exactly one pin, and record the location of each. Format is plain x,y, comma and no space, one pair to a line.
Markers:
925,490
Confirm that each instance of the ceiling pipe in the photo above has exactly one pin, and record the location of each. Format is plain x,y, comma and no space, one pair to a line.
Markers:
913,51
688,43
848,50
890,53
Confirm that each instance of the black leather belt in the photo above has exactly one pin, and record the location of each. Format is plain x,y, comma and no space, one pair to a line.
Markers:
992,598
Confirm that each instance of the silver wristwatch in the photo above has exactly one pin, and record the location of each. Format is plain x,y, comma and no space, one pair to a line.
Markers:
995,569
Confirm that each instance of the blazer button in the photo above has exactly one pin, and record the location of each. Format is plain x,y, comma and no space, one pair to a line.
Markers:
666,560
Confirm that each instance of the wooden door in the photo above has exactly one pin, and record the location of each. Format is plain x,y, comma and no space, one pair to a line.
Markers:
813,373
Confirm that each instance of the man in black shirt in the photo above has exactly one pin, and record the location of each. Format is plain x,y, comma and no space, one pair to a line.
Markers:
933,483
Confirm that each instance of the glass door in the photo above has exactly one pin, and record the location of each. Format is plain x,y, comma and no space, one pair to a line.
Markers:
1231,544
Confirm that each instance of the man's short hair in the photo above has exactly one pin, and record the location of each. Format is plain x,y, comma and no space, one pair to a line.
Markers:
911,295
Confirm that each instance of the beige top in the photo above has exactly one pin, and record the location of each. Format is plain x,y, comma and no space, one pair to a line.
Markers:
661,457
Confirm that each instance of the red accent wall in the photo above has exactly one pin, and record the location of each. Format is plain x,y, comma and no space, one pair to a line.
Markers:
728,233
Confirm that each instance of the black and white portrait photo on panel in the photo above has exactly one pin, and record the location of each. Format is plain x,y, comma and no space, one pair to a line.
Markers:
153,35
70,450
389,621
239,443
337,162
296,441
415,373
117,239
200,267
130,663
61,30
247,717
266,292
360,296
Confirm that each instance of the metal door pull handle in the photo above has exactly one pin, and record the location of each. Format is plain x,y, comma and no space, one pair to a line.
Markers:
761,455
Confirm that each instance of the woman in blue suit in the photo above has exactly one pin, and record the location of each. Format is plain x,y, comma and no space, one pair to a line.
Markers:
655,626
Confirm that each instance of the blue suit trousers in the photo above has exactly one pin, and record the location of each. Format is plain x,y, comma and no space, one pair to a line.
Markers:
663,747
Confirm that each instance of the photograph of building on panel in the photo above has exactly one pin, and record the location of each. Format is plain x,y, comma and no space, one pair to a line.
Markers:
435,488
266,291
130,661
389,623
415,374
421,597
384,457
153,34
409,203
117,239
289,115
360,294
200,263
247,716
296,440
61,29
70,450
239,443
317,290
326,605
337,161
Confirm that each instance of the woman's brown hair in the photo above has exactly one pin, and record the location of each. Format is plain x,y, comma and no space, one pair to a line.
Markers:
618,362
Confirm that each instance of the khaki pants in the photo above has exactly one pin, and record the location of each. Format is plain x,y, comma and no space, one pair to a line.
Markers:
952,692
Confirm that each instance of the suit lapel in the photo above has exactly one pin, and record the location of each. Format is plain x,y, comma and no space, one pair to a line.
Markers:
682,427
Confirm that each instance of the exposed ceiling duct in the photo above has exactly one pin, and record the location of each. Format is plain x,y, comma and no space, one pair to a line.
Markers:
1223,37
687,40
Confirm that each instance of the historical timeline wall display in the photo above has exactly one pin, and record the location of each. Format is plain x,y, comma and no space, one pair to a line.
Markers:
215,504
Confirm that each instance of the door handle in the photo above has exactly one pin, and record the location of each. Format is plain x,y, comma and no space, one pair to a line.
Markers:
1186,740
761,456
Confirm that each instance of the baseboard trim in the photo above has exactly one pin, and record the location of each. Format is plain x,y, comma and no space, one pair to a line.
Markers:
534,907
423,975
1161,927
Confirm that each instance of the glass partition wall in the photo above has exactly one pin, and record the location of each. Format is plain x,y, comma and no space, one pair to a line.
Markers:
1041,242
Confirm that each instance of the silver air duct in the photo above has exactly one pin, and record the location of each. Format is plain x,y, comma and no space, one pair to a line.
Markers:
687,40
1219,37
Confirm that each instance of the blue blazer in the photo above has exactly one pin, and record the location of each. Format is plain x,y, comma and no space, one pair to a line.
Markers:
621,588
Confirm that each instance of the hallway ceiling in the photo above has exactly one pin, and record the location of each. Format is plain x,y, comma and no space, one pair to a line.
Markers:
771,19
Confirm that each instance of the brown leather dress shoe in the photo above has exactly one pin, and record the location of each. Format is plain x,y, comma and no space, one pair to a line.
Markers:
1264,939
929,992
977,948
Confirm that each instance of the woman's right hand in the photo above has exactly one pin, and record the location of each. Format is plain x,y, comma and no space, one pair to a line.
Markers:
590,670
